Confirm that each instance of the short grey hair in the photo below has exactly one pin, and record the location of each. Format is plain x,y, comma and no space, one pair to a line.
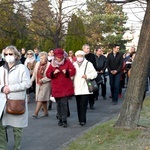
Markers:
43,54
85,46
14,50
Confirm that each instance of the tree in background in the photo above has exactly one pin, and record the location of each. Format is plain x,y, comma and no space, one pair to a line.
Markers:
75,35
13,24
134,98
41,24
104,23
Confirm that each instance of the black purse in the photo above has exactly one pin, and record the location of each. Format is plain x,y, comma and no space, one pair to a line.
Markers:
92,85
99,79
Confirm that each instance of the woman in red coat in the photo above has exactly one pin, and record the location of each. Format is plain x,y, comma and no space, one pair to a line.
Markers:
60,72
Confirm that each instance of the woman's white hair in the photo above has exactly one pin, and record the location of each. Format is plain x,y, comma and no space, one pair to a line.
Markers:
79,52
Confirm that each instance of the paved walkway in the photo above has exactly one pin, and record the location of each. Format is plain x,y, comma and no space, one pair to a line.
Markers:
45,134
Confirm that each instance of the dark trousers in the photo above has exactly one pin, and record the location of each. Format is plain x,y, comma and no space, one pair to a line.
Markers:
62,109
91,99
82,102
114,86
103,90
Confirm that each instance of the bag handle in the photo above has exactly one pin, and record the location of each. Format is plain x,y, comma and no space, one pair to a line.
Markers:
85,68
5,82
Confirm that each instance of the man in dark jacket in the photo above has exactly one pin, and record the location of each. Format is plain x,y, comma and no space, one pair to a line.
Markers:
90,57
114,65
101,63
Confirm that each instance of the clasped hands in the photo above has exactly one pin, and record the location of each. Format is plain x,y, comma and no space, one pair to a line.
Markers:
113,71
6,89
57,71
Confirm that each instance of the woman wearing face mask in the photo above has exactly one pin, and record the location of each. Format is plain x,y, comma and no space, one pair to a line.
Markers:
80,85
14,81
60,72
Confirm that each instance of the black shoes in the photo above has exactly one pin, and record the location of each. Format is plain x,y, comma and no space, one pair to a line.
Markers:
62,123
92,107
65,124
82,123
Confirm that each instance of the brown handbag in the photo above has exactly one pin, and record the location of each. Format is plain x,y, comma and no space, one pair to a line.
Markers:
15,107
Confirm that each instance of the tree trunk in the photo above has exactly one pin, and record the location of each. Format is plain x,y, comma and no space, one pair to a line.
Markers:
133,101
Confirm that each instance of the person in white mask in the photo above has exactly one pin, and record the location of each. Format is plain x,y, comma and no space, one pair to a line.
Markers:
14,81
80,86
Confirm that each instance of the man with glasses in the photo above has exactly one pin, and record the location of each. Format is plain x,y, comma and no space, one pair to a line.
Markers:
114,65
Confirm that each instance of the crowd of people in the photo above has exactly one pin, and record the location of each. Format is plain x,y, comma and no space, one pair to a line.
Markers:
60,75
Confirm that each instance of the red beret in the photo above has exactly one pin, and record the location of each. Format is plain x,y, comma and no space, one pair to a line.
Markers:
58,52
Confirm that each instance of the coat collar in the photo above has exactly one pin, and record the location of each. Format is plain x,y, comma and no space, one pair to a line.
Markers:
17,62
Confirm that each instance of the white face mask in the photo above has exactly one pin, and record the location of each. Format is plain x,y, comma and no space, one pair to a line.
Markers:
80,59
10,59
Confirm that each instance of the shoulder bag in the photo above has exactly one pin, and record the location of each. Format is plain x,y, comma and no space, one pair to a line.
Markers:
92,85
15,107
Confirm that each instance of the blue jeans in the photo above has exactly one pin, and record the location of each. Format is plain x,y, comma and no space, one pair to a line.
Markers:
114,85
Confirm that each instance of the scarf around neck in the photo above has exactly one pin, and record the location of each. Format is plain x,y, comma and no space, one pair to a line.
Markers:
28,60
56,63
40,72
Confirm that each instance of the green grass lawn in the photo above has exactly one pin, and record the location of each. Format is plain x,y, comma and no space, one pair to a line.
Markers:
106,137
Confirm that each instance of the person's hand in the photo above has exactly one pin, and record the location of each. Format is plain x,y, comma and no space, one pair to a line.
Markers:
115,71
112,71
6,89
56,71
84,76
41,81
101,71
64,71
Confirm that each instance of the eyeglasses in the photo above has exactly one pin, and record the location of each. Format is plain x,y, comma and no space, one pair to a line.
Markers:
8,54
29,54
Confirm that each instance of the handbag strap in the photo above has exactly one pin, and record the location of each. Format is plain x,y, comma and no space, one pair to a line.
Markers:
85,68
5,82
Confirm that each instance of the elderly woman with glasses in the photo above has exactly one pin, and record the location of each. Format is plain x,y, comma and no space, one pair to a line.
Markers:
30,62
14,81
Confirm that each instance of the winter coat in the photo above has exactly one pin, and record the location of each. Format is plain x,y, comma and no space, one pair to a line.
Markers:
115,63
80,85
91,58
101,63
42,91
18,80
62,84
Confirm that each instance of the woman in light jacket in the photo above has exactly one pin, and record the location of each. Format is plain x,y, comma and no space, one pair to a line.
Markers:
14,81
80,86
43,86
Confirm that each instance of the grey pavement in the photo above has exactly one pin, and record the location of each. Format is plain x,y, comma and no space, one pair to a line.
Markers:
45,134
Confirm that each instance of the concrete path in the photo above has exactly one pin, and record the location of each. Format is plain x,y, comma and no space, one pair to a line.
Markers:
45,134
